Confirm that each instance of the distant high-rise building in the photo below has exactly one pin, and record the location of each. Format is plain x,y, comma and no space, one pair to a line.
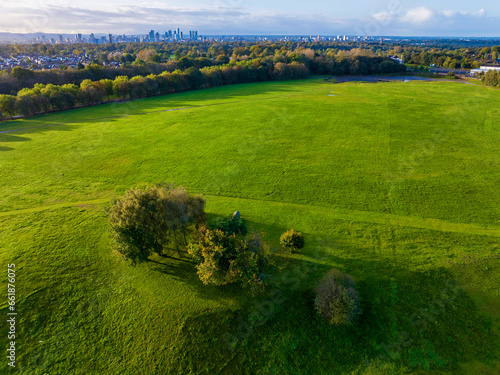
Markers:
178,31
111,38
91,38
157,36
60,38
170,34
152,36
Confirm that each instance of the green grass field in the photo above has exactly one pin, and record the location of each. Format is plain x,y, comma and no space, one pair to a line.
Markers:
396,184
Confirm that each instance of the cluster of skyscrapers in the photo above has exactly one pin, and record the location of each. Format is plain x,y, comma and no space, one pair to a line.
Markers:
152,36
170,35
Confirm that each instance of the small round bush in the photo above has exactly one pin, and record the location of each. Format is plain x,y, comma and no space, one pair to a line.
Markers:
337,299
292,240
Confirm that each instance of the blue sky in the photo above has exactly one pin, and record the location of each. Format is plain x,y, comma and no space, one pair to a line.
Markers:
361,17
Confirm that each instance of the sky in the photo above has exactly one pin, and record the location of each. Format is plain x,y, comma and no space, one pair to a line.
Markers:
214,17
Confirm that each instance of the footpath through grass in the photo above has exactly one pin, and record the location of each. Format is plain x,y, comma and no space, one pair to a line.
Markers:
394,183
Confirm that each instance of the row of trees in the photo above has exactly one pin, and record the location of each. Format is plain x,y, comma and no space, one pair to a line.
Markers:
42,98
164,219
19,78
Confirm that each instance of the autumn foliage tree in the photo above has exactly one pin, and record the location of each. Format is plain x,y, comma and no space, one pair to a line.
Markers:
223,258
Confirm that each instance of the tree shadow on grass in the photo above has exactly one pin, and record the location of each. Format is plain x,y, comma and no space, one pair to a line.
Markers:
12,138
184,270
235,93
413,320
418,320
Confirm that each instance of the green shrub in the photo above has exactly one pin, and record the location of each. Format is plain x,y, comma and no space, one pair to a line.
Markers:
337,299
229,225
292,240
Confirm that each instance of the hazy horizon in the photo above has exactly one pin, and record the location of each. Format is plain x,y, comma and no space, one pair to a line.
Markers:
235,17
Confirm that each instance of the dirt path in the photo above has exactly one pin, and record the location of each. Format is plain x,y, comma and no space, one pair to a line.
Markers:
323,213
371,217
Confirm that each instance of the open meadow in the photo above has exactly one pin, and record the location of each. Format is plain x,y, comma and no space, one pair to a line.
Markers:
396,184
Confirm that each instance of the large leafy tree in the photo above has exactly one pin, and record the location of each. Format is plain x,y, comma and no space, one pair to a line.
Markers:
24,105
7,104
147,221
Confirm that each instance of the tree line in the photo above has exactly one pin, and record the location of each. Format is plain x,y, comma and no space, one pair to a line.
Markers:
50,97
155,58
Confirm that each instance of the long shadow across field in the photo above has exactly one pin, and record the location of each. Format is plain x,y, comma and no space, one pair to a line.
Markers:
419,320
413,320
234,94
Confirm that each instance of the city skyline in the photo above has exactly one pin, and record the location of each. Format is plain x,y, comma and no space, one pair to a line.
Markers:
404,18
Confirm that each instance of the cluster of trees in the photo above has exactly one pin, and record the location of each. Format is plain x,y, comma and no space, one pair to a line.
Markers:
165,218
42,98
162,218
19,78
491,78
453,58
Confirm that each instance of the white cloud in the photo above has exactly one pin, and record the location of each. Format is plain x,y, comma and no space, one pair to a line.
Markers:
418,15
218,19
383,16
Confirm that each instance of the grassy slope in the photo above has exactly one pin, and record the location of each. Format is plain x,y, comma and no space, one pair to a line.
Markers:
394,183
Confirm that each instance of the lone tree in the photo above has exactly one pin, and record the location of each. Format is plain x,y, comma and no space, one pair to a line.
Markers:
225,258
147,221
337,299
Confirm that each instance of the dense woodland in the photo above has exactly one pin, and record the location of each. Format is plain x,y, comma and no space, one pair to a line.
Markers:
447,56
